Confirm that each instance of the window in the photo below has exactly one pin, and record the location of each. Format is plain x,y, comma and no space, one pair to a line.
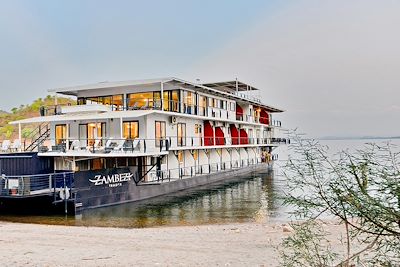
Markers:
131,129
140,101
224,105
160,132
61,133
233,106
92,132
189,102
197,128
202,105
181,134
97,164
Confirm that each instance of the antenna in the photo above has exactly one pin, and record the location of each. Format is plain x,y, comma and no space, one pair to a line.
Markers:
237,85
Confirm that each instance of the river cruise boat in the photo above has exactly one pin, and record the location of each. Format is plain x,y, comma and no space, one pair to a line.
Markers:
134,140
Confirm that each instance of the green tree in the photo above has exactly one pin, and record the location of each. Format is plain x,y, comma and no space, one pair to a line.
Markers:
360,189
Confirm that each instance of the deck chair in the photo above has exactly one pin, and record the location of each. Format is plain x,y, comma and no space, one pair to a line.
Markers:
95,146
135,106
5,146
120,145
16,145
76,145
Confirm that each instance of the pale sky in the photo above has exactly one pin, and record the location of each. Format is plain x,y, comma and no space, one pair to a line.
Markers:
333,65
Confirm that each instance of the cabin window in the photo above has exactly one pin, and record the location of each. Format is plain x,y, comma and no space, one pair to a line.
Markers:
116,101
233,106
61,133
140,101
160,132
202,105
189,102
97,164
181,134
81,101
95,131
131,129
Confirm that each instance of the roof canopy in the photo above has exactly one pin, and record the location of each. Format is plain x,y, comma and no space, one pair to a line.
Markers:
86,116
230,86
223,89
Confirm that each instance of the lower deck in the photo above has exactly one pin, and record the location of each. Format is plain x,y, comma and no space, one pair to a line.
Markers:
79,183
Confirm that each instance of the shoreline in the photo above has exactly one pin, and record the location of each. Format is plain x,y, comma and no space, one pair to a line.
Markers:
240,244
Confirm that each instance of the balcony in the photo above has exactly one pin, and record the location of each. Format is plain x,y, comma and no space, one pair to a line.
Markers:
144,147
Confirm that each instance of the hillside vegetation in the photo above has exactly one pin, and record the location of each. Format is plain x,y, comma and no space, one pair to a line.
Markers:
10,132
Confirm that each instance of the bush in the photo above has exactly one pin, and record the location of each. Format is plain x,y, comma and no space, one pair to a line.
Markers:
361,190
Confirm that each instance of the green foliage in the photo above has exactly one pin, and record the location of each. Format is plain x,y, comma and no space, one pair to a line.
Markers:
26,132
26,111
304,247
360,189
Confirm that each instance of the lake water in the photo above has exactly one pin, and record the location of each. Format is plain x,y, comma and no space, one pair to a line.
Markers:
248,198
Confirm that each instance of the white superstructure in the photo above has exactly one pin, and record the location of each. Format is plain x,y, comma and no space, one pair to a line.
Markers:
168,128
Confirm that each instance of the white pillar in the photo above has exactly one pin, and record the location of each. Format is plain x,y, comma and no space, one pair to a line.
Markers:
162,95
20,135
121,128
67,137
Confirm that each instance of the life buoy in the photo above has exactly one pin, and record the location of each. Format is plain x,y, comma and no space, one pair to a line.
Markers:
64,193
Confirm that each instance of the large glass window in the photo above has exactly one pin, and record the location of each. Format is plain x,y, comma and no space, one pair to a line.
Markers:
131,129
189,102
95,131
181,134
61,133
116,101
160,132
175,101
202,106
140,101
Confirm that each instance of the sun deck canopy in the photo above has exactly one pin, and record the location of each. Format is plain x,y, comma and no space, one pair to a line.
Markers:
86,116
231,86
222,89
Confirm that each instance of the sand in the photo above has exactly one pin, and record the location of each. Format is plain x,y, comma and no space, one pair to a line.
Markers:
250,244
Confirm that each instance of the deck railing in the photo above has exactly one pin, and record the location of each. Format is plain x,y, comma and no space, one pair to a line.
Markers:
187,172
139,145
33,185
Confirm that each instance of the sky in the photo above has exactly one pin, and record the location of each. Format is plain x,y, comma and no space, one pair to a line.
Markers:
334,66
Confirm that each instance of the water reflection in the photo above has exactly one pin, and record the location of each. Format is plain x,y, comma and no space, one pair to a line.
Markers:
241,199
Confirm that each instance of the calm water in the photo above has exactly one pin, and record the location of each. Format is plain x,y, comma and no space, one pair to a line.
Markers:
243,199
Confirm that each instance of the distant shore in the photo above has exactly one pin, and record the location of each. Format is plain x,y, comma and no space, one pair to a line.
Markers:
249,244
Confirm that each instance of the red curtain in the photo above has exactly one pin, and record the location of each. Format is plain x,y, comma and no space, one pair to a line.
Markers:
234,134
208,134
264,117
244,139
219,136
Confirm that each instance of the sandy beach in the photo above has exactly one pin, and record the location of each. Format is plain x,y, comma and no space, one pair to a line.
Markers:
250,244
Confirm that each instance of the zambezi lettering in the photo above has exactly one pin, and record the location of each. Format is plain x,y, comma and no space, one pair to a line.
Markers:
113,180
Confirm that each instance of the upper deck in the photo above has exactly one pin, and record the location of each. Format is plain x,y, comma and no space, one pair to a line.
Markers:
121,94
196,115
